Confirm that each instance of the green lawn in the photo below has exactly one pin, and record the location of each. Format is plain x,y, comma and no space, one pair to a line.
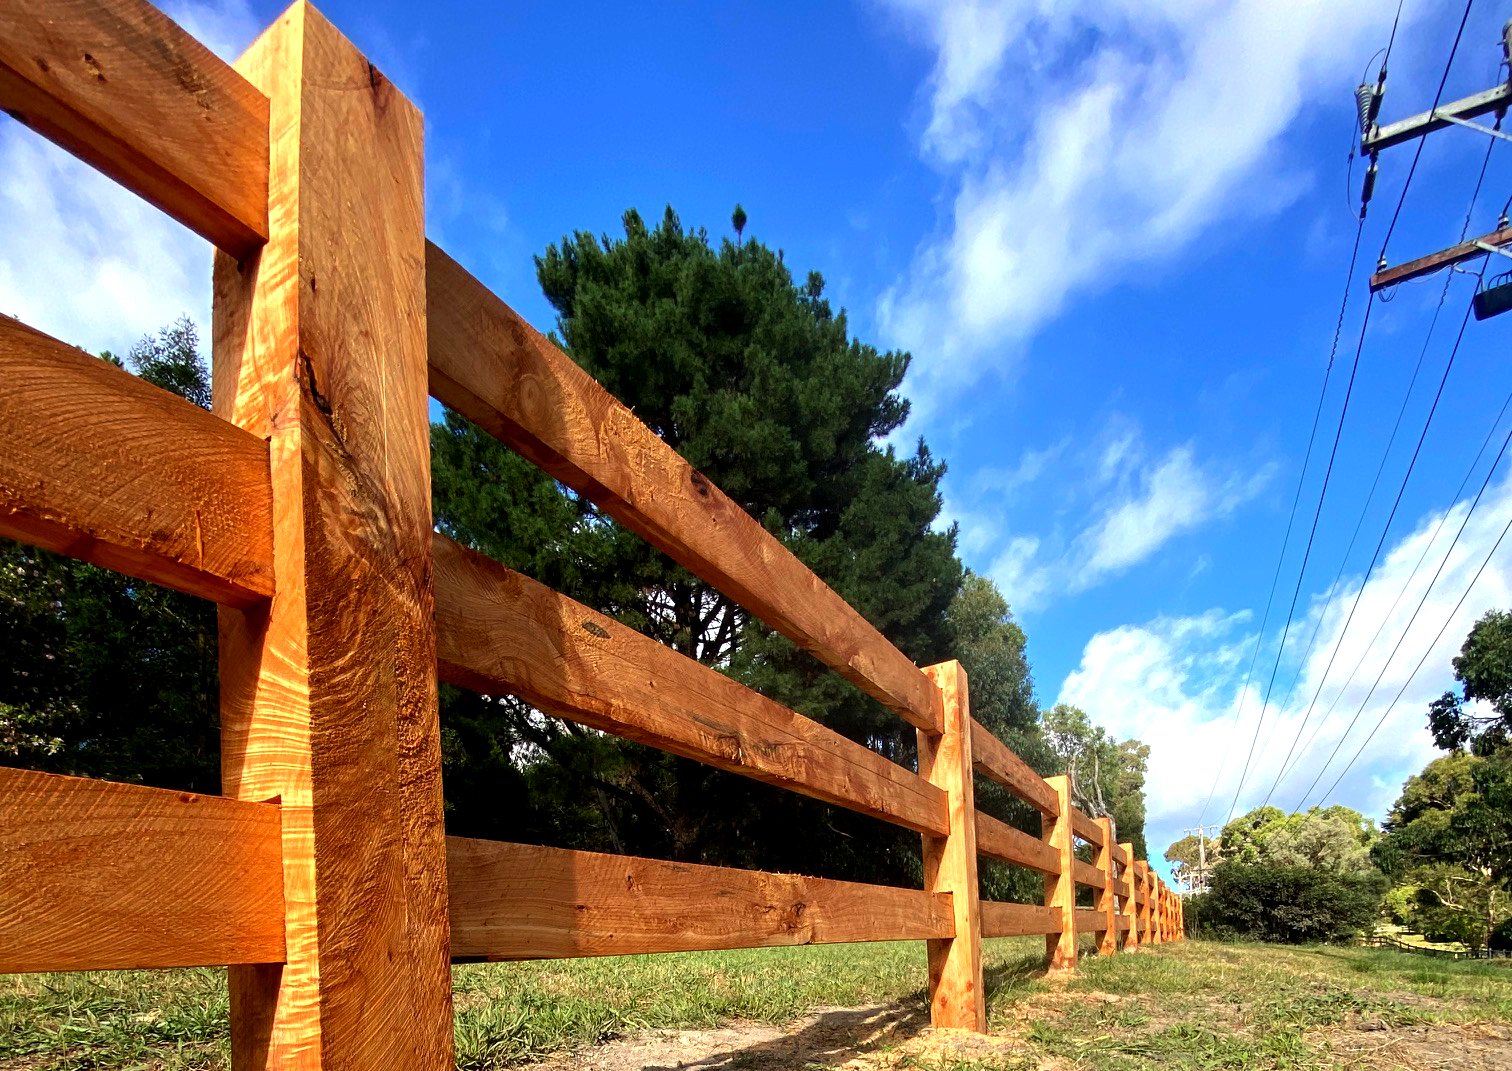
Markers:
1191,1005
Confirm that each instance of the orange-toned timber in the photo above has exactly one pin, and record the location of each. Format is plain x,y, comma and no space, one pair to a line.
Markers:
956,997
1060,889
98,875
501,632
1086,828
306,515
1142,901
1018,920
998,840
517,901
996,760
120,86
1106,899
491,366
329,693
1087,874
1126,905
102,466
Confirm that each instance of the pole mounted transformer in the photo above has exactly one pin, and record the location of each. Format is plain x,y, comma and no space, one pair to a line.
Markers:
1490,300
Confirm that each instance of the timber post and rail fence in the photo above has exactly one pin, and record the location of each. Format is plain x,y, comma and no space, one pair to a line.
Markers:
323,877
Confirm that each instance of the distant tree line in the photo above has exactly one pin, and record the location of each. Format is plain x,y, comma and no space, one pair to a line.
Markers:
1441,866
757,381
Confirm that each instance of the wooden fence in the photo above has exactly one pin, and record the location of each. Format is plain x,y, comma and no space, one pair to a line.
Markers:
323,877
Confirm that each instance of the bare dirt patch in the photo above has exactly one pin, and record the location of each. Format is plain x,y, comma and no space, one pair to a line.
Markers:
1423,1046
852,1039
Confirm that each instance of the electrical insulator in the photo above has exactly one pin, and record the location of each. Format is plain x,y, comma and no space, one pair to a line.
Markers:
1365,102
1369,189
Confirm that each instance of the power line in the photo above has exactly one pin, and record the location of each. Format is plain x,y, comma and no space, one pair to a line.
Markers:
1302,572
1354,257
1402,490
1402,691
1437,573
1407,584
1418,152
1323,493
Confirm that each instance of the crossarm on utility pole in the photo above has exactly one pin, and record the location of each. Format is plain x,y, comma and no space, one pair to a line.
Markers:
1497,99
1414,269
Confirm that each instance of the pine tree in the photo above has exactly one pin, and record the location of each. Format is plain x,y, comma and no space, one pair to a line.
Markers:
758,383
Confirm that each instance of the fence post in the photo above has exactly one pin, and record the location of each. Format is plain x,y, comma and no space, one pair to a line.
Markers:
1126,903
956,1000
1060,891
1142,879
1107,940
328,692
1157,899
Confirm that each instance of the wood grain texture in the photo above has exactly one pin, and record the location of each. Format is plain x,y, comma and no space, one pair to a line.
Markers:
1086,828
102,466
1084,873
957,998
516,901
1127,918
1148,916
500,632
122,87
1000,841
491,366
996,760
1018,920
1060,889
1106,902
329,696
96,875
1089,920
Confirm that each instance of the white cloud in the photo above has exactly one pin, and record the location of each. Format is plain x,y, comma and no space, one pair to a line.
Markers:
87,261
1176,682
1137,503
1081,140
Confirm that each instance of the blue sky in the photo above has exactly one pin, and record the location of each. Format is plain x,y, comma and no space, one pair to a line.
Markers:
1113,236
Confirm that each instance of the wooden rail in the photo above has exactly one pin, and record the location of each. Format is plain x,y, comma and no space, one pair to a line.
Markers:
498,631
102,466
495,369
99,876
512,901
323,876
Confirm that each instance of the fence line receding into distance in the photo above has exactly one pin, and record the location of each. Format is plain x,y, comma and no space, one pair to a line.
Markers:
301,506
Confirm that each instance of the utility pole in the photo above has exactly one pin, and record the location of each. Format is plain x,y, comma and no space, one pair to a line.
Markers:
1197,881
1375,138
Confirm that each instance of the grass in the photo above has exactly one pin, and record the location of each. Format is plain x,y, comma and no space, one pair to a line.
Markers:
1183,1006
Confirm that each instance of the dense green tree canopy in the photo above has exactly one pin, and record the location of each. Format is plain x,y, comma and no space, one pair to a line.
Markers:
1288,904
1107,775
1188,855
1450,836
1289,877
1330,838
1484,670
757,382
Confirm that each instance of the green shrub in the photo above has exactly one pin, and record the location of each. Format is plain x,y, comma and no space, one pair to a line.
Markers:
1287,904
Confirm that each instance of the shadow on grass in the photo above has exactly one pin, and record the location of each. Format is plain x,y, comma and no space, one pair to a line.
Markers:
834,1037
